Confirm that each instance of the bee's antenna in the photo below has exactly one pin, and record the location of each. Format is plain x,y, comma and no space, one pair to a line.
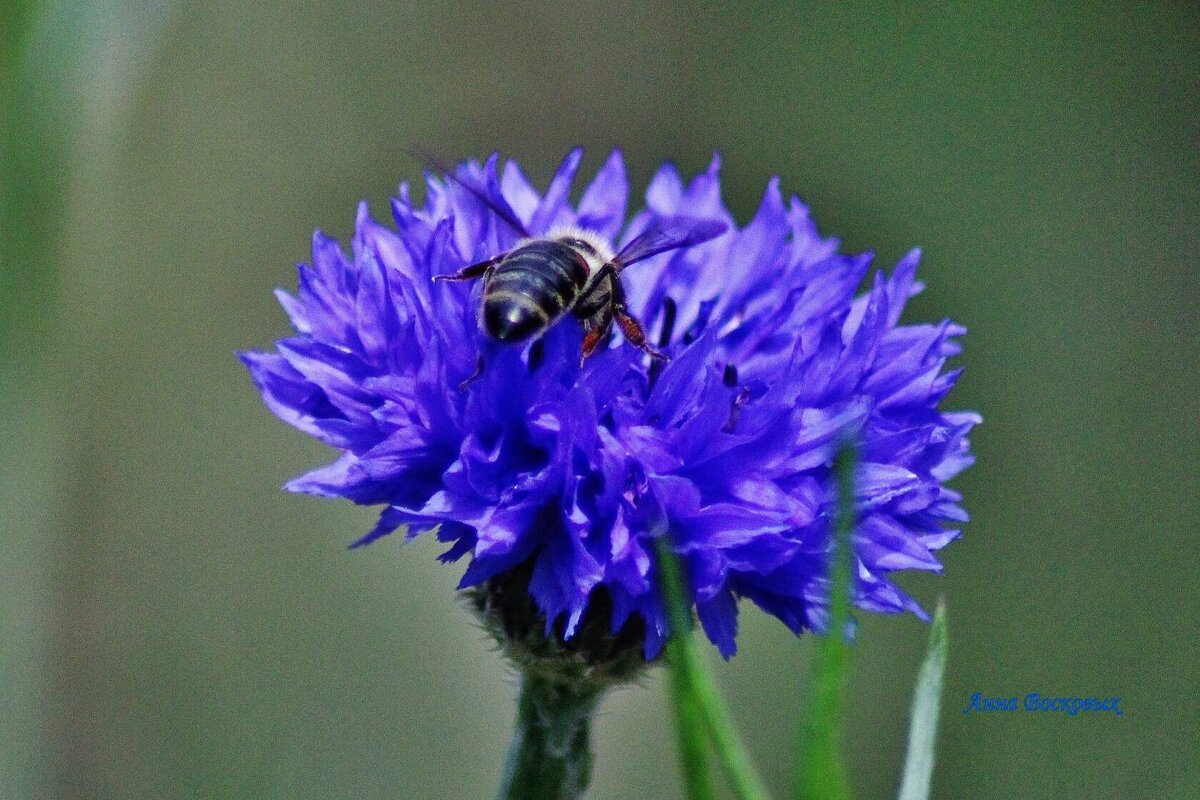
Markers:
497,205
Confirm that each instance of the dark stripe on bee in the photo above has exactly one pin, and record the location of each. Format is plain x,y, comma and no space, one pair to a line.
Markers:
553,256
530,287
544,288
504,298
541,269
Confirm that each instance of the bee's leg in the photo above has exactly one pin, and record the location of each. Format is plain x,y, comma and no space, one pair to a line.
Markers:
596,316
462,387
469,273
630,327
636,335
596,335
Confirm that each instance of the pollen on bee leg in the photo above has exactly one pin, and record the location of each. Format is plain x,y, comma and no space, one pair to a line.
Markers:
634,333
592,341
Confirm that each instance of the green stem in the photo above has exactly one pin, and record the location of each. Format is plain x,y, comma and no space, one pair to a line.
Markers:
731,752
690,728
822,771
688,667
550,756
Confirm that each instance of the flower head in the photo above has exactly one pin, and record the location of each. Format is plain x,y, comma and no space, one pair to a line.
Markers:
567,471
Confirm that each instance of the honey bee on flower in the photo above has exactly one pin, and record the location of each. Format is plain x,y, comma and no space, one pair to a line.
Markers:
562,470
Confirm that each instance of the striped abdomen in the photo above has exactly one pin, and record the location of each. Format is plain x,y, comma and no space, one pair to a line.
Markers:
530,289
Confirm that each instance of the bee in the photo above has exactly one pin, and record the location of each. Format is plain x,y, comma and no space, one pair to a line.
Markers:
568,271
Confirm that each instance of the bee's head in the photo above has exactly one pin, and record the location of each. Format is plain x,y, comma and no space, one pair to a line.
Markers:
588,244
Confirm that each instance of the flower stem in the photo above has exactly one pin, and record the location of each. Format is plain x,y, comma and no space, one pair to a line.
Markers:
550,756
697,695
821,770
732,754
691,734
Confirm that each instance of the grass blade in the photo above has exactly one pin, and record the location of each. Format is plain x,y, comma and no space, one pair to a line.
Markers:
927,699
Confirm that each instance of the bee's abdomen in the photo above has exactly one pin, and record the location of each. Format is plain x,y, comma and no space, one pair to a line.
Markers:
530,289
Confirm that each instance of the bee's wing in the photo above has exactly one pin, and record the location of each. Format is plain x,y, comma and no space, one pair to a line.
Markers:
670,234
497,205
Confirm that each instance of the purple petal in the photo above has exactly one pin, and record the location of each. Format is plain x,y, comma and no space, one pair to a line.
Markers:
553,210
602,207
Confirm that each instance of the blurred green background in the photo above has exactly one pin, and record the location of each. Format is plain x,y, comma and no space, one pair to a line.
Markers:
172,625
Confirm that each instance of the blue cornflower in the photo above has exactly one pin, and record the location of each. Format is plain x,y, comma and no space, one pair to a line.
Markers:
566,471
